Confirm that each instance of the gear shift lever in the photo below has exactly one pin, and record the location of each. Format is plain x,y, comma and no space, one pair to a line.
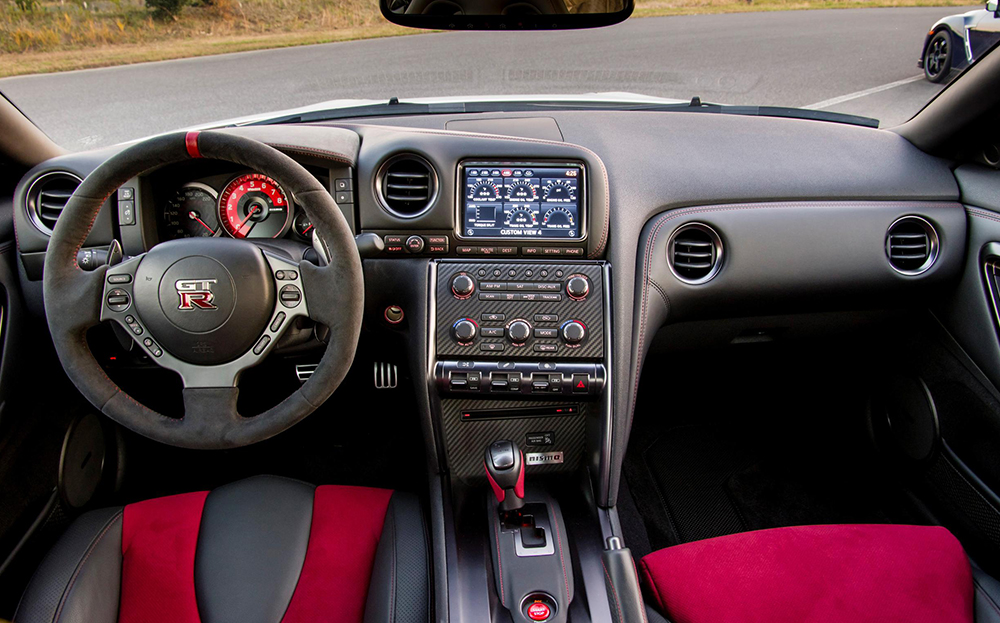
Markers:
504,464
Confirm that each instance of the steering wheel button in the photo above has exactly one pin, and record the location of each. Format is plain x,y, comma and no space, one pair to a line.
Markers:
118,300
148,342
119,279
276,323
135,329
290,296
261,344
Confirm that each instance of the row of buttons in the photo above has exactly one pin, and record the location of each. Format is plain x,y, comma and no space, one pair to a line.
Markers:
512,272
397,243
546,297
499,347
343,191
525,251
488,317
541,382
126,206
520,286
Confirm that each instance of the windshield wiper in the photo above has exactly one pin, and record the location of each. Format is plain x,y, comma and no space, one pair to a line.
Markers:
396,108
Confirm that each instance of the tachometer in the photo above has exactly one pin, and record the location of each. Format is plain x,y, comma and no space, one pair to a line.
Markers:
254,206
191,212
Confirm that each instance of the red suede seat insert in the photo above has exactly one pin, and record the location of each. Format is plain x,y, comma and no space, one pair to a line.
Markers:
346,526
815,574
159,539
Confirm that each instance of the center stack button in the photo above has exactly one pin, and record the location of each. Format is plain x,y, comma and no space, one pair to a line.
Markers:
462,286
518,332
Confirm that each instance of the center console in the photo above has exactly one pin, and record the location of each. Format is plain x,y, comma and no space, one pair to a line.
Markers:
520,360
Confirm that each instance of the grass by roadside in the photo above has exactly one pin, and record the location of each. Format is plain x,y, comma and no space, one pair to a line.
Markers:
62,35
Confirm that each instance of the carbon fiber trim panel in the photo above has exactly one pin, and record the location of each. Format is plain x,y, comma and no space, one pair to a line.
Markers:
465,442
589,311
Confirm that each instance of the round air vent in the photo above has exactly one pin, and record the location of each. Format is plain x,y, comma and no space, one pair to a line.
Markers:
47,196
911,244
406,185
694,253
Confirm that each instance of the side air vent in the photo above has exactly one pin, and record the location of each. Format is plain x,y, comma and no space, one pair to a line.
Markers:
911,244
694,253
406,185
47,196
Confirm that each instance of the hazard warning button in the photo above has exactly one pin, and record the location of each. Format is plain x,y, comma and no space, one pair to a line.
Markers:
581,383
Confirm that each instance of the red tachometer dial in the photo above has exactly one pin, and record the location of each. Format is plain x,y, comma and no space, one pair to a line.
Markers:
254,206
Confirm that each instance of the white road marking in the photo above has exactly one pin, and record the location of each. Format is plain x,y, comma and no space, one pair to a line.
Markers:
853,96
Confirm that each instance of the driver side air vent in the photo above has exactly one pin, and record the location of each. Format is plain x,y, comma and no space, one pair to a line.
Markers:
47,196
406,185
911,244
694,253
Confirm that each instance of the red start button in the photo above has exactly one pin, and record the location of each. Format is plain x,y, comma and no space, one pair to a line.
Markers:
538,611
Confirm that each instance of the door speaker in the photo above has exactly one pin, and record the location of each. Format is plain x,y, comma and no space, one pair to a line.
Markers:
81,464
904,420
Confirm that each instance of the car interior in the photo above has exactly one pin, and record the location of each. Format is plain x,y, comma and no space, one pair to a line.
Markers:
506,363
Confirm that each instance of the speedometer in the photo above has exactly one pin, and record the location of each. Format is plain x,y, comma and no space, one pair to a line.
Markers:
191,212
254,206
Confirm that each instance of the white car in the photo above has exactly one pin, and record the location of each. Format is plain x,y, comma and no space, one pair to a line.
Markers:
974,32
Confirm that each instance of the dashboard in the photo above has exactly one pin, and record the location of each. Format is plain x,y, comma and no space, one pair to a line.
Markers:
535,258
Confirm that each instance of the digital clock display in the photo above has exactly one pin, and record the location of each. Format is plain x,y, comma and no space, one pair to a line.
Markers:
525,201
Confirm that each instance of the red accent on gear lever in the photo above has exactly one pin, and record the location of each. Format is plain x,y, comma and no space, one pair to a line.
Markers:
519,487
497,491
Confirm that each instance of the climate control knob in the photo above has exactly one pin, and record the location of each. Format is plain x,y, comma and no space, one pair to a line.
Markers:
573,332
518,332
462,286
465,330
577,287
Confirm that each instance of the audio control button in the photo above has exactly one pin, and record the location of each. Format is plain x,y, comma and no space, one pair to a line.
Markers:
578,287
462,286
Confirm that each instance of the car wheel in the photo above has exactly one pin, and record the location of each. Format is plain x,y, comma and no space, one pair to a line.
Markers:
937,57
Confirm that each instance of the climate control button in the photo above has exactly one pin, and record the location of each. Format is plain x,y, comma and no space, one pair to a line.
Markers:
577,287
518,332
573,332
465,330
462,286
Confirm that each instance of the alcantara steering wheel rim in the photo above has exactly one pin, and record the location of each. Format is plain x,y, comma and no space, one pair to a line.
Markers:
201,347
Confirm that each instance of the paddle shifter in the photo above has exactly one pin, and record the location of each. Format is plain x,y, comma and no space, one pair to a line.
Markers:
504,463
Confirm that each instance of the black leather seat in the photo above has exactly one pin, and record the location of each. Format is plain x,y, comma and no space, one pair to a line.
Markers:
265,550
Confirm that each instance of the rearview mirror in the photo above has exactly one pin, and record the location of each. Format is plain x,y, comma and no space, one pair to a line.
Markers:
505,14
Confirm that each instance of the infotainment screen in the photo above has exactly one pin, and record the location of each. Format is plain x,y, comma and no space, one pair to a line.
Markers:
520,200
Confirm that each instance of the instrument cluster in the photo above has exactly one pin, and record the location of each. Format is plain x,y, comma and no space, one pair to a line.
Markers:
244,205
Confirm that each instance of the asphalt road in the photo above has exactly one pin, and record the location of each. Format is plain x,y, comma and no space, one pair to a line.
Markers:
795,58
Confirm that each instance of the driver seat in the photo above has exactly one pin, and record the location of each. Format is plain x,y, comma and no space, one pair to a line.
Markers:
265,549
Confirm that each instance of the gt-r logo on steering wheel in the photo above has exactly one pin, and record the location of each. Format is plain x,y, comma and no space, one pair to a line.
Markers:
195,294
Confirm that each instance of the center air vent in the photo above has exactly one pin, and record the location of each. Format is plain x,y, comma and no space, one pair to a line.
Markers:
694,253
406,185
911,244
47,196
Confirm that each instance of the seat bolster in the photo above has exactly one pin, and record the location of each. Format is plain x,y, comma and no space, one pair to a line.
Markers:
987,599
79,579
399,591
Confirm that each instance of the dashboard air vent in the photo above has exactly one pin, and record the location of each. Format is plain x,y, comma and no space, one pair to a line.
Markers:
47,196
694,253
911,244
406,185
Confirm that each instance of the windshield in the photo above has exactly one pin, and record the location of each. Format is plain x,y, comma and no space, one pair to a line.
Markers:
75,67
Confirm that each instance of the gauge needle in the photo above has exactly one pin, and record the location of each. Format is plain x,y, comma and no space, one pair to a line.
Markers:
194,215
252,211
306,230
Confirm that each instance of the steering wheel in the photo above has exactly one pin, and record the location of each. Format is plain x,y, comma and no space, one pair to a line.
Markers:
206,308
